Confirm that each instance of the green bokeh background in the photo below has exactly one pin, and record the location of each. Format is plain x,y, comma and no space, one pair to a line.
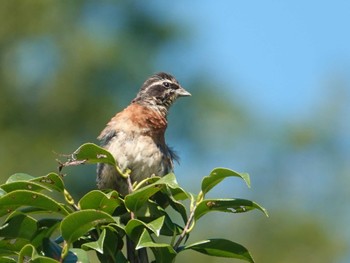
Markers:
67,67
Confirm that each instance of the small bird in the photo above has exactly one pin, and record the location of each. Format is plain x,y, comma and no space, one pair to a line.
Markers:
135,136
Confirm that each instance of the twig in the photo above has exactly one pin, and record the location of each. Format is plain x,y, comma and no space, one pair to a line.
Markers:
61,165
186,228
134,256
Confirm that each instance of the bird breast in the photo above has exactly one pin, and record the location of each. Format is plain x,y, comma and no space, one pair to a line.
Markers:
135,138
141,154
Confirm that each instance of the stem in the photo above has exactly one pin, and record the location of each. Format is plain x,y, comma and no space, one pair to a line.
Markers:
186,228
130,189
134,256
61,165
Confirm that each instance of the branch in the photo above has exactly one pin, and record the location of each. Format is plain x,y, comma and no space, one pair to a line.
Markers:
61,165
133,256
186,228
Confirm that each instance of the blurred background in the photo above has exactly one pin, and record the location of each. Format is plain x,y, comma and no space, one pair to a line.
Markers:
270,90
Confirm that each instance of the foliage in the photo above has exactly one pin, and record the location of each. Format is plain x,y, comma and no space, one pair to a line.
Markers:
43,222
58,57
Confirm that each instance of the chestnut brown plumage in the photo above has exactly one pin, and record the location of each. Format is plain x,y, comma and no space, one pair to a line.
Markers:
135,136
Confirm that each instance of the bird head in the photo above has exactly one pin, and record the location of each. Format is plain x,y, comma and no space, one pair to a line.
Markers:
160,90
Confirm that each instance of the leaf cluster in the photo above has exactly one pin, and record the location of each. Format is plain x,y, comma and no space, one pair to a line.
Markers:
43,223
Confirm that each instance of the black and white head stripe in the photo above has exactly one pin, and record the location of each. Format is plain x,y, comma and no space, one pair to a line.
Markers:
160,89
159,79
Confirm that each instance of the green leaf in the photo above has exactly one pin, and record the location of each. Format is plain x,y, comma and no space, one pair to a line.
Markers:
179,194
18,198
2,192
108,246
151,211
168,179
100,201
171,194
96,245
46,227
134,227
79,223
93,153
179,207
19,177
19,225
20,185
156,225
12,246
226,205
118,258
221,248
219,174
115,228
48,182
77,255
162,252
7,260
52,181
29,252
175,190
137,199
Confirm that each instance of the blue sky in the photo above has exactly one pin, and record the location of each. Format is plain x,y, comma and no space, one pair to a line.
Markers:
277,57
278,53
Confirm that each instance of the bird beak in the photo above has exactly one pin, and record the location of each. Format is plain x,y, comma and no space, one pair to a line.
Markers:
181,92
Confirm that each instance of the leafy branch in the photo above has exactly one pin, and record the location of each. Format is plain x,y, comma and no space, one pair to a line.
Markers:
43,223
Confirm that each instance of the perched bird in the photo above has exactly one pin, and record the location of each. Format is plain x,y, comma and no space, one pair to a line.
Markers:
135,136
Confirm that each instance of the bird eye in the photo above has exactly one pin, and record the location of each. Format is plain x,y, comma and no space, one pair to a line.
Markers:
166,84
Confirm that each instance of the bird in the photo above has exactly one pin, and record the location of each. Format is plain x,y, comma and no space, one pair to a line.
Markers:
136,135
